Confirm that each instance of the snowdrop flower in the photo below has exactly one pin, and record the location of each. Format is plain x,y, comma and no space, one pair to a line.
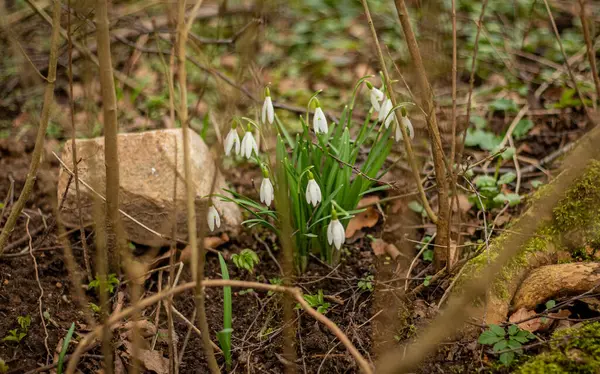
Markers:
376,96
404,121
386,107
249,144
313,191
268,112
336,234
213,218
319,120
232,140
266,189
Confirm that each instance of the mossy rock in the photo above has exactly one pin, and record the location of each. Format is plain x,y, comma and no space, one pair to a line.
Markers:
575,222
573,350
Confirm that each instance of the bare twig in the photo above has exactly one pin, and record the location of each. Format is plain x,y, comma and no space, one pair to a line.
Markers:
193,327
472,78
569,70
407,144
412,264
86,251
197,258
36,156
439,159
591,53
37,278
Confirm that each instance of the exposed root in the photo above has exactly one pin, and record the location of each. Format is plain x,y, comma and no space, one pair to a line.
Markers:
551,281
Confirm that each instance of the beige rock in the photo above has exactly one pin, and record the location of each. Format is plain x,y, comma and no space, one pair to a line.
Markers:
147,178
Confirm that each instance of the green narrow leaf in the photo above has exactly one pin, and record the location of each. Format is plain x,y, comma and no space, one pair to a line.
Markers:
65,347
224,335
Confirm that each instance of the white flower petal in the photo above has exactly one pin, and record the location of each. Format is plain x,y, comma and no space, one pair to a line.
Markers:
248,145
389,119
237,143
266,192
376,97
268,112
262,191
232,140
336,234
385,109
320,122
399,133
330,233
409,127
313,193
213,218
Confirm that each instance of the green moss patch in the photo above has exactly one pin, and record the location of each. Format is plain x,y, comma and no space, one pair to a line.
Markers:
574,350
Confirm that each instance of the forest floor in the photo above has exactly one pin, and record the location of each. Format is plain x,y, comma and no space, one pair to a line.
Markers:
366,292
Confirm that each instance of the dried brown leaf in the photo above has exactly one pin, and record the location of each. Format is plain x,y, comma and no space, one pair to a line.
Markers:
378,246
532,325
463,202
368,218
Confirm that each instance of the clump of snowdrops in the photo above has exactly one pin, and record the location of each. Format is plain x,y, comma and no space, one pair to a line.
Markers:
324,174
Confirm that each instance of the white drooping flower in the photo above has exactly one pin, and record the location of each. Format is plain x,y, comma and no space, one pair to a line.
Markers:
232,140
249,144
404,121
376,96
336,234
268,112
266,188
313,191
386,107
319,121
213,218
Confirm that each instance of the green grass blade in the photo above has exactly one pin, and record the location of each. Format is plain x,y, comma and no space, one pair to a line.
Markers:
65,346
224,335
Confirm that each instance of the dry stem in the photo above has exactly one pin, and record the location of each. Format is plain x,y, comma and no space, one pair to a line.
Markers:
37,278
36,156
407,144
590,49
427,102
197,271
569,70
86,251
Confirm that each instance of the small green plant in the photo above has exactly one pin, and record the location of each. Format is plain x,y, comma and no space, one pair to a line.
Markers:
549,305
276,282
65,346
95,308
16,335
317,301
490,195
480,136
224,335
366,284
24,322
3,367
428,252
427,281
510,340
246,259
111,283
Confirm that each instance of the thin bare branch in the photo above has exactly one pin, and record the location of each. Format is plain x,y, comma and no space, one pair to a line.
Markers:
36,156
